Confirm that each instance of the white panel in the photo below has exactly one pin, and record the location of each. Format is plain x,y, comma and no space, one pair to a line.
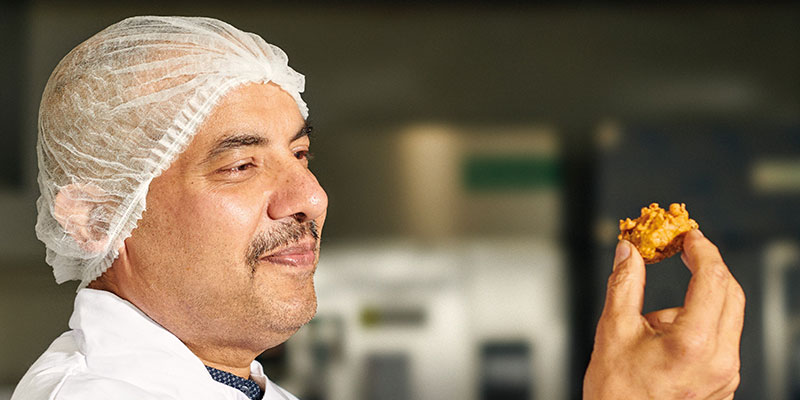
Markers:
472,292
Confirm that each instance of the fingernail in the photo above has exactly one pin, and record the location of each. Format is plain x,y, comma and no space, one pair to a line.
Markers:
622,253
700,232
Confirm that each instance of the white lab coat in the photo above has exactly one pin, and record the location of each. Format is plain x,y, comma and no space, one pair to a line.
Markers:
115,351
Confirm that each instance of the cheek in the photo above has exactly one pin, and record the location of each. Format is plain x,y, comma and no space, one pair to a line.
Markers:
223,218
236,213
204,228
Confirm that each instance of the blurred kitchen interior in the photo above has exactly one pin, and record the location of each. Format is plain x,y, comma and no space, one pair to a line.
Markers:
477,159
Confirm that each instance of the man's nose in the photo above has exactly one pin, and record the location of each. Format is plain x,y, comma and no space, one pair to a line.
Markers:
298,195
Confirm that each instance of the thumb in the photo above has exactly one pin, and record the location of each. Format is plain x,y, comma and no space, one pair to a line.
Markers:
625,291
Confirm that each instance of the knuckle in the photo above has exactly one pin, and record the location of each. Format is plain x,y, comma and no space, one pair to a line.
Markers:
693,345
723,372
718,272
615,317
607,332
729,384
607,321
734,382
738,294
614,325
619,280
726,368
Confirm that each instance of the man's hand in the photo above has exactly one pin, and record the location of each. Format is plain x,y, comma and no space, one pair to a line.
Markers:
689,352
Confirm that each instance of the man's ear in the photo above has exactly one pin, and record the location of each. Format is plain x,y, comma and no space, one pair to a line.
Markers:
81,211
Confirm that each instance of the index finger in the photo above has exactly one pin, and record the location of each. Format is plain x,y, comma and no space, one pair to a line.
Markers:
705,298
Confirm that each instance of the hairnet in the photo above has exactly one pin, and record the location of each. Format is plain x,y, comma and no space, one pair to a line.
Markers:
118,110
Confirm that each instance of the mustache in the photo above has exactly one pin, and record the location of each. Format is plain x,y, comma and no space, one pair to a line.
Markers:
279,236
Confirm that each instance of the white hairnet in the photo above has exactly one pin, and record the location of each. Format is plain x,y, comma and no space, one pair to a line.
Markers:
118,110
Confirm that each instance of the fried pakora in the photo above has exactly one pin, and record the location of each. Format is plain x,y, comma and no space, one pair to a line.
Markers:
658,233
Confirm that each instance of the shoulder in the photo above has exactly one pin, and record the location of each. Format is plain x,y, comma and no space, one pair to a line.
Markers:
76,384
50,369
60,373
85,386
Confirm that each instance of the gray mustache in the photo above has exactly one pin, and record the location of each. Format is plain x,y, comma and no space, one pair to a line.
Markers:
279,236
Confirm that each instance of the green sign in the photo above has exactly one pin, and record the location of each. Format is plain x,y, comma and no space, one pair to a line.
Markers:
482,173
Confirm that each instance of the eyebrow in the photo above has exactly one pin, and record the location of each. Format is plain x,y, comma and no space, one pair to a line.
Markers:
304,131
236,141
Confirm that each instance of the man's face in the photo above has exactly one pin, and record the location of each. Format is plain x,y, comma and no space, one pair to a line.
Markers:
227,248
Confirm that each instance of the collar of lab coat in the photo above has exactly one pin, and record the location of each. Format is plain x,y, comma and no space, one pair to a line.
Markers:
121,342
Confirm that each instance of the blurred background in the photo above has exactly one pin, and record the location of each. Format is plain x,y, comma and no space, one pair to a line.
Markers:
478,158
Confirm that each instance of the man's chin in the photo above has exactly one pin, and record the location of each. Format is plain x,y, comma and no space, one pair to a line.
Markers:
292,315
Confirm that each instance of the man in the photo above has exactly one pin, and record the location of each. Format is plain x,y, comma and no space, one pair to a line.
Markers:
204,125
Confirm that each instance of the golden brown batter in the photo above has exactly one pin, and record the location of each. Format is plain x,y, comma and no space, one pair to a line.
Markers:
658,233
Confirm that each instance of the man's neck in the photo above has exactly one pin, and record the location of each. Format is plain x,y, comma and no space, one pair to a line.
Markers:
240,371
238,364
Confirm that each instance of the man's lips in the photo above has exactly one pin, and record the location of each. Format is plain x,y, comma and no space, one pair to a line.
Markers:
301,254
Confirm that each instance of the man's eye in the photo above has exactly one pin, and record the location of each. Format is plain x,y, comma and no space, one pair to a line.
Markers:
239,168
303,155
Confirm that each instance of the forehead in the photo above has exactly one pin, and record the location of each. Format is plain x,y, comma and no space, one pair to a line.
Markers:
256,109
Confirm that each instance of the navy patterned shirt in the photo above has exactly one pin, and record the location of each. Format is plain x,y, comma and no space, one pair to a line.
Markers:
247,386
